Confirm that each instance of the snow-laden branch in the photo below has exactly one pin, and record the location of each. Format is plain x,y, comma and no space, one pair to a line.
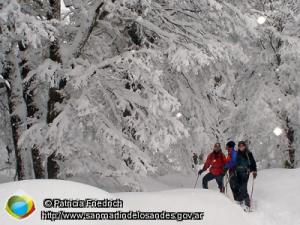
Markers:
86,30
6,82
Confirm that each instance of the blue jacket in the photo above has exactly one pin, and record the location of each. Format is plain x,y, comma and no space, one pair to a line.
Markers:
232,163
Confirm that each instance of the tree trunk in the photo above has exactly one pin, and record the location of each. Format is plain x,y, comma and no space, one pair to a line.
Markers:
37,159
55,94
52,166
290,133
18,111
38,165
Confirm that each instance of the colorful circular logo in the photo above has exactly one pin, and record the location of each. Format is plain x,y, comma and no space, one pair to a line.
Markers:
20,207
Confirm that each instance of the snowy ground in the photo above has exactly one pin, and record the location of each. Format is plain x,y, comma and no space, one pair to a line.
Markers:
276,195
276,198
217,208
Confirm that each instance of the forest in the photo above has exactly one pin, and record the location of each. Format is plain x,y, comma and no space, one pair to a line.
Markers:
108,92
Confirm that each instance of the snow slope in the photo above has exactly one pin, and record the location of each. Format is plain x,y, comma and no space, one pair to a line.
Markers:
276,194
39,190
216,207
276,199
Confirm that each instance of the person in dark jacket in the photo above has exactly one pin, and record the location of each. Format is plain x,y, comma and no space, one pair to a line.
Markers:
245,164
215,162
195,160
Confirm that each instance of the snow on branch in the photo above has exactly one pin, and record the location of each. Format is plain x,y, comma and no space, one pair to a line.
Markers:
5,81
85,31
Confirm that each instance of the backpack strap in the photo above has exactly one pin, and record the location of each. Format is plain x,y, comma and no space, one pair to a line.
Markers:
249,162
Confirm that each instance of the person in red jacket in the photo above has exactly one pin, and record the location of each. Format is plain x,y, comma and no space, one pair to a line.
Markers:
215,162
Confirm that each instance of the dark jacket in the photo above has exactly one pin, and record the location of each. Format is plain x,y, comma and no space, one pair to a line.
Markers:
245,161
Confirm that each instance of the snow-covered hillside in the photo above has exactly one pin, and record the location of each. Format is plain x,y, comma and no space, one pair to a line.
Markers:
112,92
276,200
38,190
216,207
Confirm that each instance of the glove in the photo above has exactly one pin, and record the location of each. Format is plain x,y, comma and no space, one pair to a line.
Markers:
200,172
225,169
254,173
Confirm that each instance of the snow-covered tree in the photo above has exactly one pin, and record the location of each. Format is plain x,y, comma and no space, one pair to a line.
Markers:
268,90
19,30
108,92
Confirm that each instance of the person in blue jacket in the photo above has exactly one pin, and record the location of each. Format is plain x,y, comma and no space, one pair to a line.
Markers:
230,167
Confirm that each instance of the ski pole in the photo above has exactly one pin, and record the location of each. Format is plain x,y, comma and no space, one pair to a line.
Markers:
196,181
229,176
252,189
227,180
226,185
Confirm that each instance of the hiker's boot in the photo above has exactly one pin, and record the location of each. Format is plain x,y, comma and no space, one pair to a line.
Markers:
222,189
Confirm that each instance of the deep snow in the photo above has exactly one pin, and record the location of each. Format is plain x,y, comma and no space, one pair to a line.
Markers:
276,194
276,199
216,207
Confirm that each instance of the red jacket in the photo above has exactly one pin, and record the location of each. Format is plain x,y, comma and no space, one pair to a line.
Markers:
215,162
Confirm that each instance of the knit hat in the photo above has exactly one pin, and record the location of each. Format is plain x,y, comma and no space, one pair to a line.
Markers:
242,143
230,144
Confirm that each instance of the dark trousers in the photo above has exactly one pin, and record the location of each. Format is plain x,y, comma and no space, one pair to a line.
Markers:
239,186
233,185
219,179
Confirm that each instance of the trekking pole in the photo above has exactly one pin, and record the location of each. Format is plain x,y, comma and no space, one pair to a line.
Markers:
229,176
251,195
196,181
226,184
